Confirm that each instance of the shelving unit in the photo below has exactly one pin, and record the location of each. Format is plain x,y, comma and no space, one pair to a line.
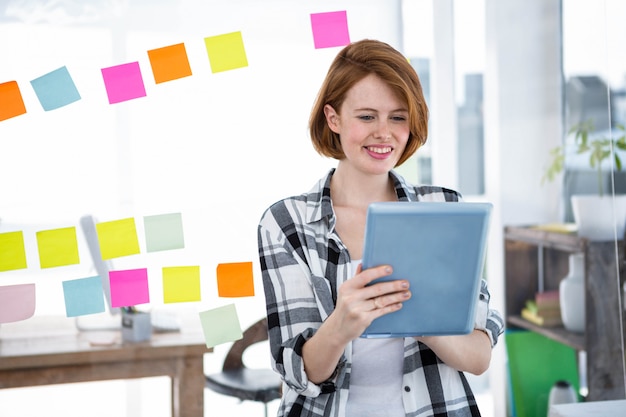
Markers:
536,260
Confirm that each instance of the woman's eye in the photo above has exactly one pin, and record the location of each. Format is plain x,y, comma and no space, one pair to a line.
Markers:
366,117
398,118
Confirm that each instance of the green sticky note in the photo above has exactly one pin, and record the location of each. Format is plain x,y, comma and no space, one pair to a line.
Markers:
58,247
181,284
12,252
226,52
164,232
118,238
220,325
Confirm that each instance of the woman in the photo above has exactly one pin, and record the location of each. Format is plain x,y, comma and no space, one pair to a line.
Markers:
370,115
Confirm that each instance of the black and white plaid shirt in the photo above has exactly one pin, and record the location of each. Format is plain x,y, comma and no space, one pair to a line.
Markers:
303,262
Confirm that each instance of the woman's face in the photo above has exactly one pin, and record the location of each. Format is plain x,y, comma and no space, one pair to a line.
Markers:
373,126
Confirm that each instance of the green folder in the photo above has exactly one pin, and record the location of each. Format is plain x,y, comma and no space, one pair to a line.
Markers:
535,364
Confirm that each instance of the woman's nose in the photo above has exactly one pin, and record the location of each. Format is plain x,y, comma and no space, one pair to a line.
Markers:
383,132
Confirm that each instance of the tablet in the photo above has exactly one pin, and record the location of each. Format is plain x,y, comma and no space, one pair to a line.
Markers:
440,248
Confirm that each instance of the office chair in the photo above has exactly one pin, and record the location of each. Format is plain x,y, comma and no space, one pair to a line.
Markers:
237,380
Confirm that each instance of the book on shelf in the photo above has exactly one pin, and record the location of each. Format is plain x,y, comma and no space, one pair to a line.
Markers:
542,320
548,300
544,310
567,228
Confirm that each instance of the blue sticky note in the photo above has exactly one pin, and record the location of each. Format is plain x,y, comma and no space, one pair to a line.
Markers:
55,89
83,296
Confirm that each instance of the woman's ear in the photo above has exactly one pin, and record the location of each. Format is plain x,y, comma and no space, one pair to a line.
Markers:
332,118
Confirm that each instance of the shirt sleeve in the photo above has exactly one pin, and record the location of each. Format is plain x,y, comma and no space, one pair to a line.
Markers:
488,320
292,312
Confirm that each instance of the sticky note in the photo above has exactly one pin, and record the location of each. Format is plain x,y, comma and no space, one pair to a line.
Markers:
83,296
330,29
55,89
58,247
17,302
12,251
164,232
117,238
11,102
235,279
123,82
220,325
226,52
181,284
169,63
129,287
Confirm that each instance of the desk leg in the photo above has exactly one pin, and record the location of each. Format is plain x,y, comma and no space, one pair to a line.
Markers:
188,388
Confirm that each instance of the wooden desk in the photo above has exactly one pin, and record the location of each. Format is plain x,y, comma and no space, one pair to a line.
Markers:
65,358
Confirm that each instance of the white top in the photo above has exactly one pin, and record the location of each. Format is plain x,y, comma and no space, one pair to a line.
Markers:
376,377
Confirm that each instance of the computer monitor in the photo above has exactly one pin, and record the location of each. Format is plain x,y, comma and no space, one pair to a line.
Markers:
162,320
110,319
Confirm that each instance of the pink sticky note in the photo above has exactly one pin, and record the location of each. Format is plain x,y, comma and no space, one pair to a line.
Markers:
330,29
17,302
129,287
123,82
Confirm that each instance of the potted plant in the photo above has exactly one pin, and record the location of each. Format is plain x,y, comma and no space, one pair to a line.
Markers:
597,216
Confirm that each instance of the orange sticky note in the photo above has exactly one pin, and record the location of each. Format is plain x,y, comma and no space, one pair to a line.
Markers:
169,63
11,102
12,251
235,280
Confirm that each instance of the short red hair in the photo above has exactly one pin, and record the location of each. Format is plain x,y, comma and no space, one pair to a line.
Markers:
353,63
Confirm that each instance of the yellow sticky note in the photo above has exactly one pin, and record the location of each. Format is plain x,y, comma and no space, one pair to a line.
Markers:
220,325
235,280
226,52
58,247
117,238
12,252
181,284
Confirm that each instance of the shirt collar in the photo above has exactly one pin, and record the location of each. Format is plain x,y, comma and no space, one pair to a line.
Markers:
319,203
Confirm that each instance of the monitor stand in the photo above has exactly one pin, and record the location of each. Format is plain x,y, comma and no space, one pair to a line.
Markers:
162,320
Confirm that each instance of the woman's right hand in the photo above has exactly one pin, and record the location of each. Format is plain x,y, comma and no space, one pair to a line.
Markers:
359,302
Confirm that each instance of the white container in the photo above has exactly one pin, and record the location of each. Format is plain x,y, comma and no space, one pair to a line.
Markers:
562,392
600,218
572,294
